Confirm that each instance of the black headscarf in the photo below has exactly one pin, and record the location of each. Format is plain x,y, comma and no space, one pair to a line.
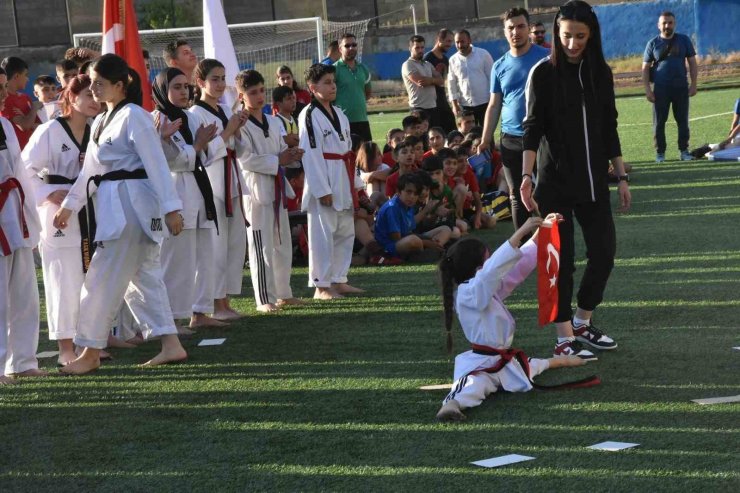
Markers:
163,105
172,112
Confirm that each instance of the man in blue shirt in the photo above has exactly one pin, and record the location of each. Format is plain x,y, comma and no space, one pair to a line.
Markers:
666,56
508,80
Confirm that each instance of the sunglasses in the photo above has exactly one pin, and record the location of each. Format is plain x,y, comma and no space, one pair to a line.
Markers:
538,32
350,45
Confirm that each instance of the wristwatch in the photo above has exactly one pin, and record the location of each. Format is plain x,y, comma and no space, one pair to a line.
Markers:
625,177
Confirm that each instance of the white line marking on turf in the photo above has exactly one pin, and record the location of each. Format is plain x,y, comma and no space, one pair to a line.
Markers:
672,122
717,400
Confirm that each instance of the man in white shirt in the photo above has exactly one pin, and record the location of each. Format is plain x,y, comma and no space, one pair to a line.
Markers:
469,78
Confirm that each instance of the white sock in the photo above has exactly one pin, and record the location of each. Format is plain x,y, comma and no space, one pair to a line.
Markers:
580,321
565,339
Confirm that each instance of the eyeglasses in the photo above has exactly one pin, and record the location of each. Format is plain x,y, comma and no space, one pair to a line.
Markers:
350,45
538,32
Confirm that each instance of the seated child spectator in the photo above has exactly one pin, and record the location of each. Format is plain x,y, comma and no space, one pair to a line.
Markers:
484,280
283,106
454,138
373,172
393,137
295,177
424,128
405,156
440,190
298,218
436,136
465,188
395,222
45,90
728,148
466,121
412,126
436,200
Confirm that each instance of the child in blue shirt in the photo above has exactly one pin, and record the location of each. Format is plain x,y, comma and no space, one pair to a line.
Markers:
395,222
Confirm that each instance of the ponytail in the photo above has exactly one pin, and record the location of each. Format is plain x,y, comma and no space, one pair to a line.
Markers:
446,278
133,89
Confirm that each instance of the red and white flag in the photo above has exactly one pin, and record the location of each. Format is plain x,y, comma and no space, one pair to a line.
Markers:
548,272
217,44
121,37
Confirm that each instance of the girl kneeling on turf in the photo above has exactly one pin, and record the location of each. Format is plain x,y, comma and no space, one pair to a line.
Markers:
483,281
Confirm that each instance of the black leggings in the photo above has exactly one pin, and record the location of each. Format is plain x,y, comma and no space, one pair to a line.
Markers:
597,224
512,149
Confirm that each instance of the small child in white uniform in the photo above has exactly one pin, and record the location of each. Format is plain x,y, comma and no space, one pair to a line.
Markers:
483,281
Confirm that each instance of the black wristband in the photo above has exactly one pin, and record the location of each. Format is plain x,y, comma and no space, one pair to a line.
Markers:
527,174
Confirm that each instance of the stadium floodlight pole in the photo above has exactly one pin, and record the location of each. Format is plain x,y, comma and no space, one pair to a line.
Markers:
413,16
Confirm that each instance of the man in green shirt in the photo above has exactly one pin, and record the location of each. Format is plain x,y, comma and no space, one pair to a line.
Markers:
353,87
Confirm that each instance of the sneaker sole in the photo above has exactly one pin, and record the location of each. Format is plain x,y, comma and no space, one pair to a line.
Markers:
596,346
584,358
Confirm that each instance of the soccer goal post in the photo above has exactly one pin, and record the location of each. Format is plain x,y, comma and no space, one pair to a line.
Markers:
262,46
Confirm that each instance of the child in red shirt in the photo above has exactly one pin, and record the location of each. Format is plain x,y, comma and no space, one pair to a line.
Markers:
19,108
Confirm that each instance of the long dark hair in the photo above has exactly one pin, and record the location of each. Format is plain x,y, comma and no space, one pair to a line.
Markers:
580,11
202,70
458,265
115,69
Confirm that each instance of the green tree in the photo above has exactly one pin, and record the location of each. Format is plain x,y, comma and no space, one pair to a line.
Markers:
165,14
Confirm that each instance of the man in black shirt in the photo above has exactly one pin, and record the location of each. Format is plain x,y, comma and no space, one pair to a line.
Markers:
438,58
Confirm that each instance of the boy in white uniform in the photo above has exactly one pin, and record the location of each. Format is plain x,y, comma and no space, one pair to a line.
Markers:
329,195
230,245
262,154
19,233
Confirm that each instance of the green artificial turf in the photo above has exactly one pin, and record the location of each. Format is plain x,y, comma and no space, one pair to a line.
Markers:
325,397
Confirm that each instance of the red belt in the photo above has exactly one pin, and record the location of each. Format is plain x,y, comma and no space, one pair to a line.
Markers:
5,188
349,164
229,161
513,353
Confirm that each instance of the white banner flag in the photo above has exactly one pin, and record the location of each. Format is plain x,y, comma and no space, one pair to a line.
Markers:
217,44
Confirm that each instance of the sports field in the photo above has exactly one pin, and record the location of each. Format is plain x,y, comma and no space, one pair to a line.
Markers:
326,397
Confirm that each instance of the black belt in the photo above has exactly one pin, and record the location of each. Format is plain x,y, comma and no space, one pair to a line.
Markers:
88,236
58,180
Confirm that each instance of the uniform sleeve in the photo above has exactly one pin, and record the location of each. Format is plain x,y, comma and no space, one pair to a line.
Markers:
537,98
314,164
612,145
488,280
523,268
250,160
145,140
76,198
36,157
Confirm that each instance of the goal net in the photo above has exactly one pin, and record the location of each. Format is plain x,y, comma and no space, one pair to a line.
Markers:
263,46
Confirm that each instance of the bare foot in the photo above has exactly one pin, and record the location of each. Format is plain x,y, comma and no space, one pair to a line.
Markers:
118,343
136,340
203,320
184,331
166,356
66,357
82,365
290,301
6,381
226,315
344,288
326,294
450,412
267,308
34,372
105,355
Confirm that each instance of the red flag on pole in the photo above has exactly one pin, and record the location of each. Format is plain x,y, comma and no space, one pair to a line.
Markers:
121,37
548,272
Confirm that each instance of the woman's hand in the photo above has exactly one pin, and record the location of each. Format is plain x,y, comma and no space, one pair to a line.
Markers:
166,127
204,135
61,218
56,197
526,192
625,197
174,222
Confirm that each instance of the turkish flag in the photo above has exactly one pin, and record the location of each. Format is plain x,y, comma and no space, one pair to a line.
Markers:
548,272
121,37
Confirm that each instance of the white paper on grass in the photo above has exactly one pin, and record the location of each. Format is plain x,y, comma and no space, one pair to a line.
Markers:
504,460
47,354
717,400
736,348
613,446
444,386
211,342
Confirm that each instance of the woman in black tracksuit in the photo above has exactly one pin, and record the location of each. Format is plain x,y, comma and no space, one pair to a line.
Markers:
572,119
